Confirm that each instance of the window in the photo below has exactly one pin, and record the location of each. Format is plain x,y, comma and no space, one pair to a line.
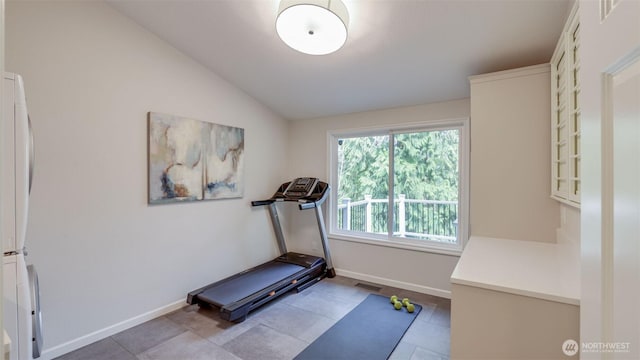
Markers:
402,186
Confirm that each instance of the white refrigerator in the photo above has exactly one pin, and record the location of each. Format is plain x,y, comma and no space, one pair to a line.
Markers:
22,317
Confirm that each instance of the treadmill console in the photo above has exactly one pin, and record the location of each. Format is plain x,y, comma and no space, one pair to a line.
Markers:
301,187
307,191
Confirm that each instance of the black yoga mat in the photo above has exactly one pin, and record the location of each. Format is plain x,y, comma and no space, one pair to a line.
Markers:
370,331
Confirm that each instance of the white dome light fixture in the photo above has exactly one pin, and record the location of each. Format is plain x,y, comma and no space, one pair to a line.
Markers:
314,27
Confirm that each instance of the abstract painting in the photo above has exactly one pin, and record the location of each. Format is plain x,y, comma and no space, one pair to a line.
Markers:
191,160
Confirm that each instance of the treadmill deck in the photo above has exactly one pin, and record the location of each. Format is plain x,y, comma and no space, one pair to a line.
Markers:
248,283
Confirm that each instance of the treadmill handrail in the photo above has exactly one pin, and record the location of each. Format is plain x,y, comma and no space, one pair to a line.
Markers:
313,204
309,205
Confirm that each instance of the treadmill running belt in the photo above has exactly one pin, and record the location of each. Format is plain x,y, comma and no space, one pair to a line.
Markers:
249,283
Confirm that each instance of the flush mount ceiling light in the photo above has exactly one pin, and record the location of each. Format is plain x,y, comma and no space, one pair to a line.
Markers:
315,27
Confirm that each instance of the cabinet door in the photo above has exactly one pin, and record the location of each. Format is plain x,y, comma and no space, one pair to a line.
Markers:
559,128
573,111
565,114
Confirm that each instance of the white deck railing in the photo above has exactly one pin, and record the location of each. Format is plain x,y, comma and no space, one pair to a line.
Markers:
422,219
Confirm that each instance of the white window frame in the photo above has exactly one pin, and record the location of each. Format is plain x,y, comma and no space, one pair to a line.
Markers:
462,124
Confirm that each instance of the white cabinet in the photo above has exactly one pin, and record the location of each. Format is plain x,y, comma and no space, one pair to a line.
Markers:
565,114
510,151
514,299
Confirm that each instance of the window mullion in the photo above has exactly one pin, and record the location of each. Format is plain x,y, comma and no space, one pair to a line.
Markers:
390,204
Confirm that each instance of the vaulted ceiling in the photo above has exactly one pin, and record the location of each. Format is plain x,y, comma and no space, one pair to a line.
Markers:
398,52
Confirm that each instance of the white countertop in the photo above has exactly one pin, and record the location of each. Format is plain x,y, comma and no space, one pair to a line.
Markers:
546,271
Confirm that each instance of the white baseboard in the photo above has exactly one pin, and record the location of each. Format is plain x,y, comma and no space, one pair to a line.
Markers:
110,330
395,283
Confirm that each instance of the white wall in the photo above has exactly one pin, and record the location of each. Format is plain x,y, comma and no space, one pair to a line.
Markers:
104,255
511,156
419,271
569,231
603,44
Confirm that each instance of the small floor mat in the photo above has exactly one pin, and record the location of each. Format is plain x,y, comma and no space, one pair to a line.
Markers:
371,331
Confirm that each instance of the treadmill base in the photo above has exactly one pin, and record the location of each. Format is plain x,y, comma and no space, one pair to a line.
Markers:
240,294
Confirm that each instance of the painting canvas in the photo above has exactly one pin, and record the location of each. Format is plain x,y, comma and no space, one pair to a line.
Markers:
191,160
224,162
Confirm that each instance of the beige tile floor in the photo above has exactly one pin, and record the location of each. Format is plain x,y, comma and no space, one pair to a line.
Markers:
279,330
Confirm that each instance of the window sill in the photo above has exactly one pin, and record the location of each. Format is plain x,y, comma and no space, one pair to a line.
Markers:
399,245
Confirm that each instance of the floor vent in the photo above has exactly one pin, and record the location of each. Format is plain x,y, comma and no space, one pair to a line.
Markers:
369,287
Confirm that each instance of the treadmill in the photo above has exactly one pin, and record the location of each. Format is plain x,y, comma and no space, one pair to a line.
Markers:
239,294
